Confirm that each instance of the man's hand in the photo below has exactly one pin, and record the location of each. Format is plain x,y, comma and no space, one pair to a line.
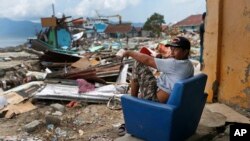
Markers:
121,53
165,51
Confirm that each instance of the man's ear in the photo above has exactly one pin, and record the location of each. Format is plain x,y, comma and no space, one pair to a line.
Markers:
186,51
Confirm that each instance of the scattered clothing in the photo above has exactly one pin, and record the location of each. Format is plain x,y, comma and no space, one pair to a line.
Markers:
84,86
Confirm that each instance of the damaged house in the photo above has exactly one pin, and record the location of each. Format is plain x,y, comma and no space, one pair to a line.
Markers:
121,30
191,23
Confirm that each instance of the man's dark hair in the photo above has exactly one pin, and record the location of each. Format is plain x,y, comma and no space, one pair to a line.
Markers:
179,42
204,16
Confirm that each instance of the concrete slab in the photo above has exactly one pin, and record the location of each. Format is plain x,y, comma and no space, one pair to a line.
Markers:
222,137
202,133
16,54
13,63
127,137
230,114
212,119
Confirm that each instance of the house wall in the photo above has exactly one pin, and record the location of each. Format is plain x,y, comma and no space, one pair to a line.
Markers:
146,33
227,52
190,28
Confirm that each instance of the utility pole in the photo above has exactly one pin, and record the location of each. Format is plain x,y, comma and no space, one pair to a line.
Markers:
53,8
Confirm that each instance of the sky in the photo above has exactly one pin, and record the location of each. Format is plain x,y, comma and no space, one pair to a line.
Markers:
130,10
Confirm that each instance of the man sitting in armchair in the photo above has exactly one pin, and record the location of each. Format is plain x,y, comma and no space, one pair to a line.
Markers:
173,66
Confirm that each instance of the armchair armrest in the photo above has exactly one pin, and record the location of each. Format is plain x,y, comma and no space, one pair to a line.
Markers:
130,101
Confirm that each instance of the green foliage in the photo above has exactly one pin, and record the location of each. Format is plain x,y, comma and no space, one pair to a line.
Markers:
154,23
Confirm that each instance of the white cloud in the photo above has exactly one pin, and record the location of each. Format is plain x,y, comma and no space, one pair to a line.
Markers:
88,7
182,1
28,9
21,9
134,10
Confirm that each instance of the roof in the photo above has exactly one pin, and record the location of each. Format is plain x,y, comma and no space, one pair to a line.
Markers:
78,21
118,28
190,21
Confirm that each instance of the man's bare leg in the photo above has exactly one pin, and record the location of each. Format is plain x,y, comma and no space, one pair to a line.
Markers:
134,87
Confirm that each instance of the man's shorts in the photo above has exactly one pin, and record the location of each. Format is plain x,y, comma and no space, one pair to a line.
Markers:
146,80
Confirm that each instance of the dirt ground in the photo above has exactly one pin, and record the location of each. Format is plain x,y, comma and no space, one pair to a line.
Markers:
86,122
92,122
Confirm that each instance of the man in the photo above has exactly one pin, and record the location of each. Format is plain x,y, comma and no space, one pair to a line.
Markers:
173,68
202,30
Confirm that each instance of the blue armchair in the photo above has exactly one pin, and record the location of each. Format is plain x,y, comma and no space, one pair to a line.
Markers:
174,121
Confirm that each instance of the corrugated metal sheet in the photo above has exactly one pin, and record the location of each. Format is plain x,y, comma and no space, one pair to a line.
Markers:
67,92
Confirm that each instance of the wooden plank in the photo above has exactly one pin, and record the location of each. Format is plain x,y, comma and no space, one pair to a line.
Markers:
47,22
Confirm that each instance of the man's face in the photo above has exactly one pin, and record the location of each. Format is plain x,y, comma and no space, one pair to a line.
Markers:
178,53
164,51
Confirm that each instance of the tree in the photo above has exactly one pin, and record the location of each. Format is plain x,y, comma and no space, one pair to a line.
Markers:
154,23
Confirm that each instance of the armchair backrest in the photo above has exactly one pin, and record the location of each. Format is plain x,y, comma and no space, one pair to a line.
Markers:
188,90
189,99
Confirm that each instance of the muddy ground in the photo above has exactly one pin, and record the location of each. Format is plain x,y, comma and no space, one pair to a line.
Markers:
86,122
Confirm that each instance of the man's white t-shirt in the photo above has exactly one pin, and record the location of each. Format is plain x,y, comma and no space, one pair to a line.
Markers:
172,70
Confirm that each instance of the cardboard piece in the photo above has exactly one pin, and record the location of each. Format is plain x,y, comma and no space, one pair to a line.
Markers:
13,98
12,110
83,63
94,62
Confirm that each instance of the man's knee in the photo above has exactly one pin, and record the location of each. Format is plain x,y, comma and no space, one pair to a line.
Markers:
162,96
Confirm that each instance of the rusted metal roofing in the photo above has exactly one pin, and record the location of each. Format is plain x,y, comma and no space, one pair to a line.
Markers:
190,21
119,28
